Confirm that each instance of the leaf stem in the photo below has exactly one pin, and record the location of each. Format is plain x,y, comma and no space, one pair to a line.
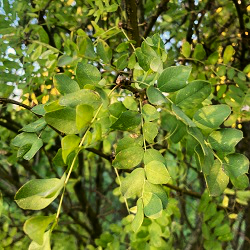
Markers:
132,45
119,180
74,160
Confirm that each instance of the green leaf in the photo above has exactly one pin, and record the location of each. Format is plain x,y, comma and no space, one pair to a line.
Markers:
104,51
143,60
225,139
198,136
84,115
236,165
137,222
228,53
157,65
241,182
153,155
69,144
83,96
199,52
38,194
35,227
157,173
132,184
35,126
212,116
150,131
63,119
186,49
128,120
129,158
65,84
180,115
46,243
158,190
127,142
150,113
155,96
36,145
174,78
152,205
121,62
87,74
130,103
116,109
29,144
38,51
64,60
193,94
217,180
204,162
176,128
213,58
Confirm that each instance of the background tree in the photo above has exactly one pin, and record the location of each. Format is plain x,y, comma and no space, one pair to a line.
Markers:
124,124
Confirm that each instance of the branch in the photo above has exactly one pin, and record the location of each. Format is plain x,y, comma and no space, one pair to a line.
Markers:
100,153
184,191
160,9
133,29
6,100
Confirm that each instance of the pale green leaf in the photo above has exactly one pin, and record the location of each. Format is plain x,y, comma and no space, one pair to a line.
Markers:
69,144
228,53
157,173
137,222
84,115
150,131
153,155
132,184
217,180
35,227
150,113
46,243
38,194
186,49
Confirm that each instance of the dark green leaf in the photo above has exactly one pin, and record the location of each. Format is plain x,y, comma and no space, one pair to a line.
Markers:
128,120
193,94
174,78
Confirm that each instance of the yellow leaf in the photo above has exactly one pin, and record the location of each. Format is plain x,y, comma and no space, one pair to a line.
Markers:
45,99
